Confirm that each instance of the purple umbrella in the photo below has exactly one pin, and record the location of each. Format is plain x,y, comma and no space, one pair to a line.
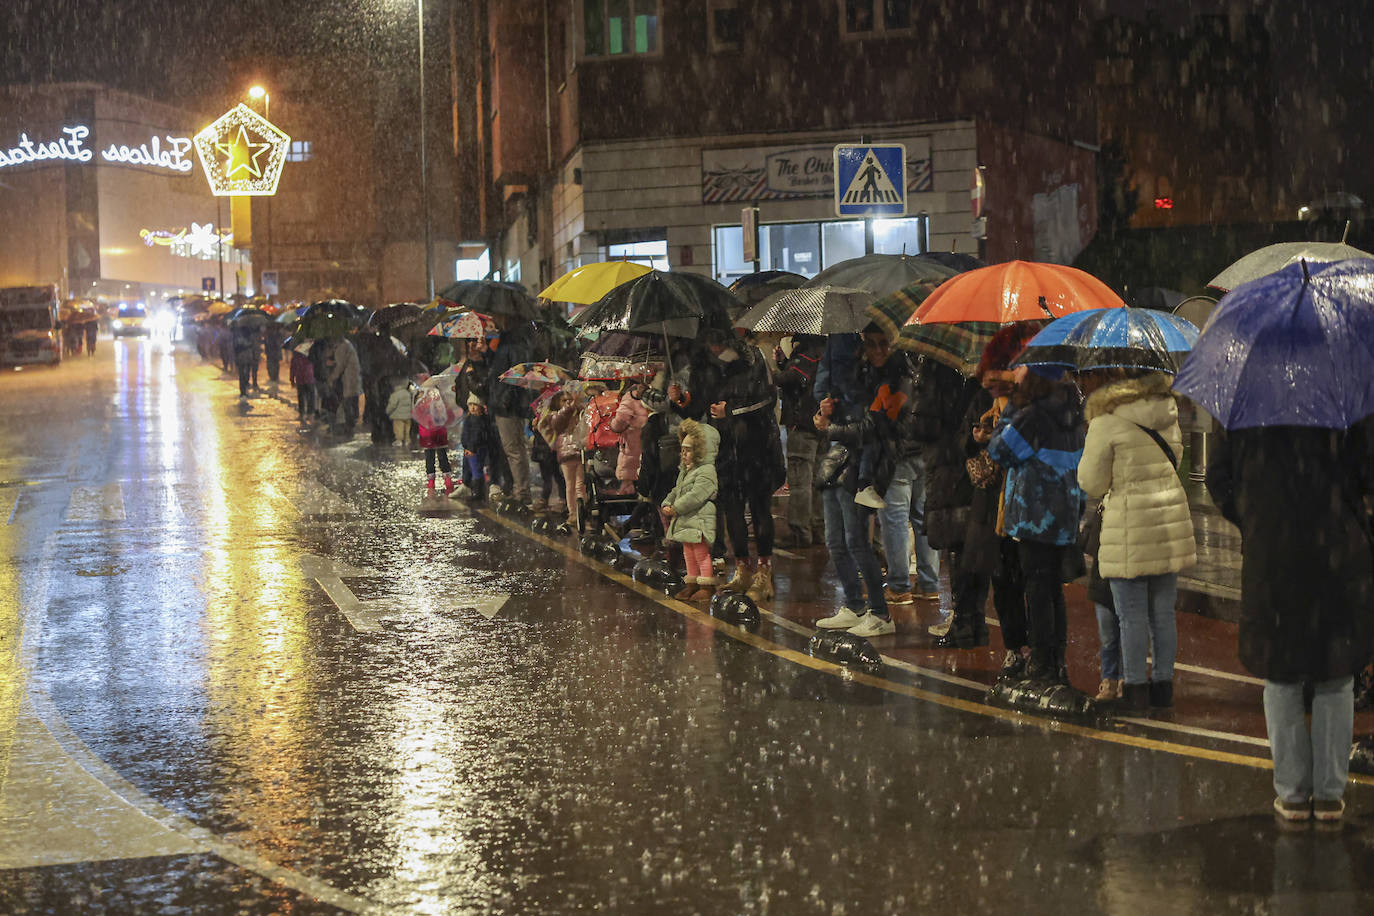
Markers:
1293,348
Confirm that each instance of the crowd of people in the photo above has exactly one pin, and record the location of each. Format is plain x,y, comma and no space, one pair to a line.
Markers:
1004,484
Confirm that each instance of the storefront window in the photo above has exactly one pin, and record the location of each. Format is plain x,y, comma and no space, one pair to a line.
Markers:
651,254
809,248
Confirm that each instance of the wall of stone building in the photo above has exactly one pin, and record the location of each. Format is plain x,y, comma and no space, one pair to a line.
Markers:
611,191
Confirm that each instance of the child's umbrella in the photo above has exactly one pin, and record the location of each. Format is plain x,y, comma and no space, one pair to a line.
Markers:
535,375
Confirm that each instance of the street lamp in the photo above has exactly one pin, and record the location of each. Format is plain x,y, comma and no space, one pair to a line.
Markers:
260,93
424,165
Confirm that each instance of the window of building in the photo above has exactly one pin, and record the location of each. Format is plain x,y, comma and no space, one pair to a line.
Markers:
615,27
652,253
726,23
300,151
808,248
865,17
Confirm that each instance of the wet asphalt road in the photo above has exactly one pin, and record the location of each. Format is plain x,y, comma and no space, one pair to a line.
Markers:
315,701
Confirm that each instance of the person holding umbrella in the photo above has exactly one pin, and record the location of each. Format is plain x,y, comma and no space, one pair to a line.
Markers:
509,405
1284,365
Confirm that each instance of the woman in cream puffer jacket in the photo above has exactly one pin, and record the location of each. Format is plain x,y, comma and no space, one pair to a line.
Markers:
1147,530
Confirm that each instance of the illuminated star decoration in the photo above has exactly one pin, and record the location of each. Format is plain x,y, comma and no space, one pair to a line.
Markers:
202,240
242,153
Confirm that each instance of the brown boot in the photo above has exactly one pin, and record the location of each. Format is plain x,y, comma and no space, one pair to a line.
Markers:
689,588
761,589
706,590
739,582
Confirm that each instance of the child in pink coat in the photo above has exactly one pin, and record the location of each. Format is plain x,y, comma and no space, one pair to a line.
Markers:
628,422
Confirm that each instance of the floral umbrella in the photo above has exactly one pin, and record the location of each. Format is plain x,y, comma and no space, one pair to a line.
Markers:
469,325
535,375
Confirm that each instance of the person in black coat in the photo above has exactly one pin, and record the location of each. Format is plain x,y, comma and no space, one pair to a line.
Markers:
952,405
730,386
1307,594
796,380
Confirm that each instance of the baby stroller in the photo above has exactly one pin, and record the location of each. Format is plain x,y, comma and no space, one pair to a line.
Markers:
605,499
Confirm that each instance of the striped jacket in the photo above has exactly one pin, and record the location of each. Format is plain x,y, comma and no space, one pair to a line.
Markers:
1040,445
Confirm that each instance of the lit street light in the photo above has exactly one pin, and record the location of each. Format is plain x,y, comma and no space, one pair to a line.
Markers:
424,166
260,93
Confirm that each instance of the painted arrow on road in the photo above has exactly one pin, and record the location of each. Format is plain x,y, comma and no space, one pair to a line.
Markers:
367,616
364,616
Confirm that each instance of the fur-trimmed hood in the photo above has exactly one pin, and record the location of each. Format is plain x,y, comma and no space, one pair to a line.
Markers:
1148,401
705,440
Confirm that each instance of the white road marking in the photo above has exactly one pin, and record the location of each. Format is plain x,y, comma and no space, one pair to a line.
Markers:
97,504
488,606
363,616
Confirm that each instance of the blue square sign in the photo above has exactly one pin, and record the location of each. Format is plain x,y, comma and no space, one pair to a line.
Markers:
870,180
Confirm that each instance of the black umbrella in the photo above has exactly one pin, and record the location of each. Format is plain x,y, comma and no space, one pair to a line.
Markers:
881,274
954,260
249,317
491,297
405,321
671,304
330,318
751,289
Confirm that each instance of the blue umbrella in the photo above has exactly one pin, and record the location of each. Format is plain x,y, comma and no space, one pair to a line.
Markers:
1115,338
1293,348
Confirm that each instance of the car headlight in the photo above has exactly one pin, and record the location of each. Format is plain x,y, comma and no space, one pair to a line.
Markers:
116,324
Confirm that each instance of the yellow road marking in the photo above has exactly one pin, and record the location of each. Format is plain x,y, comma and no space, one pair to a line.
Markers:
702,618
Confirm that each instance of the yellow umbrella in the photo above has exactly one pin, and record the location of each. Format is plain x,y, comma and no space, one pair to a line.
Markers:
221,307
588,283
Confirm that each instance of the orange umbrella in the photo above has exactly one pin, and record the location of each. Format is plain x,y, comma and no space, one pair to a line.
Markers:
1015,291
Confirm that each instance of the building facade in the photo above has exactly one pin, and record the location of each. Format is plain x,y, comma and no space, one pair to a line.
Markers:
103,196
593,129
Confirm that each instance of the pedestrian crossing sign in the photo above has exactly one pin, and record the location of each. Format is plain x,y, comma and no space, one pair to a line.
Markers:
870,180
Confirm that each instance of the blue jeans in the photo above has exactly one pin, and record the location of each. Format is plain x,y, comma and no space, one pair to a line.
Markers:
1310,764
1145,607
906,505
1109,639
846,537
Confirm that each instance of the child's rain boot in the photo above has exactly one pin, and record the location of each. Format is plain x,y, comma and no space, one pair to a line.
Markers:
448,485
706,589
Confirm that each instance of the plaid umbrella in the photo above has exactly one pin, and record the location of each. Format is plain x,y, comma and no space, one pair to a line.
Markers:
810,310
958,346
893,311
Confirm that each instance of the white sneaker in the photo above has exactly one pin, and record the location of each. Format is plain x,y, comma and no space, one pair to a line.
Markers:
941,628
842,619
873,625
869,497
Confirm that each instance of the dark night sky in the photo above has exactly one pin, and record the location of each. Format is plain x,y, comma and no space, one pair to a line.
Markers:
180,50
183,51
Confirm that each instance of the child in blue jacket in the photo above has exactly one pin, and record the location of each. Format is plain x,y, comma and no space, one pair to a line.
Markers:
1039,441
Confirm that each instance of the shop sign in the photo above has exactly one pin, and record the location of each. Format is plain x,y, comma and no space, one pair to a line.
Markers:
792,173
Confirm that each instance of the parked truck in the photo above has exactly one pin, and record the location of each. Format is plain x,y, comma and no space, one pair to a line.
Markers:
29,329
